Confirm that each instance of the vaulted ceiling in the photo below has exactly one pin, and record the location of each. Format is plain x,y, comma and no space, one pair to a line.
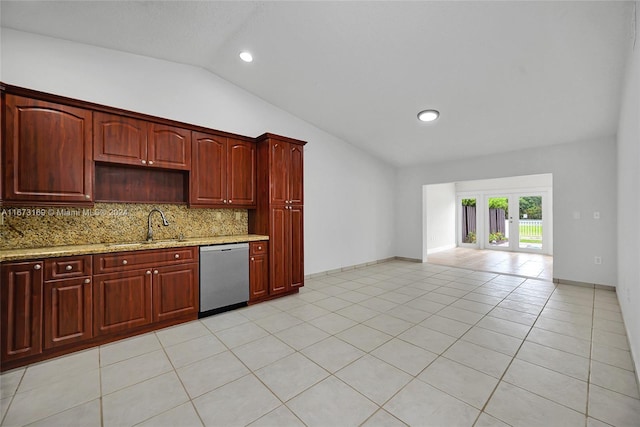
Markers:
504,75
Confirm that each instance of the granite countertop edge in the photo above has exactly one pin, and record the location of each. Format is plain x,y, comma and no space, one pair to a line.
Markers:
100,248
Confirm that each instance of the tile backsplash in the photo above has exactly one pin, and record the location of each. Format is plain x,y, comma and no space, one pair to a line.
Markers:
113,223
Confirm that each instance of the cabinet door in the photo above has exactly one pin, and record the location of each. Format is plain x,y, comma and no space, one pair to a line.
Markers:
296,174
208,181
175,291
278,250
48,155
67,311
278,172
119,139
168,147
258,271
21,307
121,301
241,172
296,246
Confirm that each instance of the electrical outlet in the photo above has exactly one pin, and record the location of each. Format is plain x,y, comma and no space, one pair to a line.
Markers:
597,260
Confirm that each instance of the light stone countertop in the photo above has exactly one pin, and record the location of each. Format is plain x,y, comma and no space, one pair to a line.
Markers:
99,248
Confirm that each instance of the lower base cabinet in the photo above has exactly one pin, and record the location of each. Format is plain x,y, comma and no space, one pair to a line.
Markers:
21,310
258,271
67,311
122,301
175,292
60,305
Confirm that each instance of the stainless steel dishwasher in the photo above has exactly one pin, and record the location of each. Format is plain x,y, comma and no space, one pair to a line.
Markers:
224,277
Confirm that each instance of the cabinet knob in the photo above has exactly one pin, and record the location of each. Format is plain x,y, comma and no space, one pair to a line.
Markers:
87,196
259,248
144,162
155,271
224,201
87,280
68,268
230,201
176,256
252,259
124,262
37,267
148,271
150,162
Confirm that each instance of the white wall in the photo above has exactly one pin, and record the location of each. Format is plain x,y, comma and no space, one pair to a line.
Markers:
510,183
440,217
584,180
349,214
629,200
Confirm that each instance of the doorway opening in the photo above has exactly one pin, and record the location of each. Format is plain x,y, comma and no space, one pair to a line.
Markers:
513,214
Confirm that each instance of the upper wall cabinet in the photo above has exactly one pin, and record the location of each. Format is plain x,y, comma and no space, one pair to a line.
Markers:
223,172
47,153
124,140
286,172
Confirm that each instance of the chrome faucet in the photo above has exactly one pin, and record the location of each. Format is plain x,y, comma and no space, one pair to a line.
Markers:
150,230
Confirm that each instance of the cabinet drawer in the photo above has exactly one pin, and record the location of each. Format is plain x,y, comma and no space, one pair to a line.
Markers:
124,261
67,267
258,248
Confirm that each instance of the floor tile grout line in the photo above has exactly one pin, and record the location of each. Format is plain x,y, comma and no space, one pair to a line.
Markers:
501,379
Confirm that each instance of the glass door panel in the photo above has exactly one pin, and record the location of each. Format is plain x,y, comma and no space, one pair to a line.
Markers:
468,221
530,222
498,222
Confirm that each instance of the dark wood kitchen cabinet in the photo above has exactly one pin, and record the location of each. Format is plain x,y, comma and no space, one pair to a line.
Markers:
21,309
125,140
67,301
47,153
223,172
122,301
258,270
135,289
279,212
175,292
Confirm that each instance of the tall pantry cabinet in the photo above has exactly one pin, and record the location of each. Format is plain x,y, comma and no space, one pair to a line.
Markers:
279,212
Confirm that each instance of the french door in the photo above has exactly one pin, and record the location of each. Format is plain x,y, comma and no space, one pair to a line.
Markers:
516,222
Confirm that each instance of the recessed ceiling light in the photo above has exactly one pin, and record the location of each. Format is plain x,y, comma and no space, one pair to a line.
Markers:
428,115
246,56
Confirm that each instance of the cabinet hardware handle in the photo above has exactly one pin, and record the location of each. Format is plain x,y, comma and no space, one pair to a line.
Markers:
148,271
252,259
144,162
150,162
86,196
230,201
37,267
87,280
155,271
124,262
224,201
68,268
259,248
176,256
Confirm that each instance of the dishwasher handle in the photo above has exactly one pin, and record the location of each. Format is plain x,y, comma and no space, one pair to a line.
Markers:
219,248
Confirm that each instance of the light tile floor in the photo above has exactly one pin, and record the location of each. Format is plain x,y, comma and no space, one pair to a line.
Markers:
520,263
392,344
